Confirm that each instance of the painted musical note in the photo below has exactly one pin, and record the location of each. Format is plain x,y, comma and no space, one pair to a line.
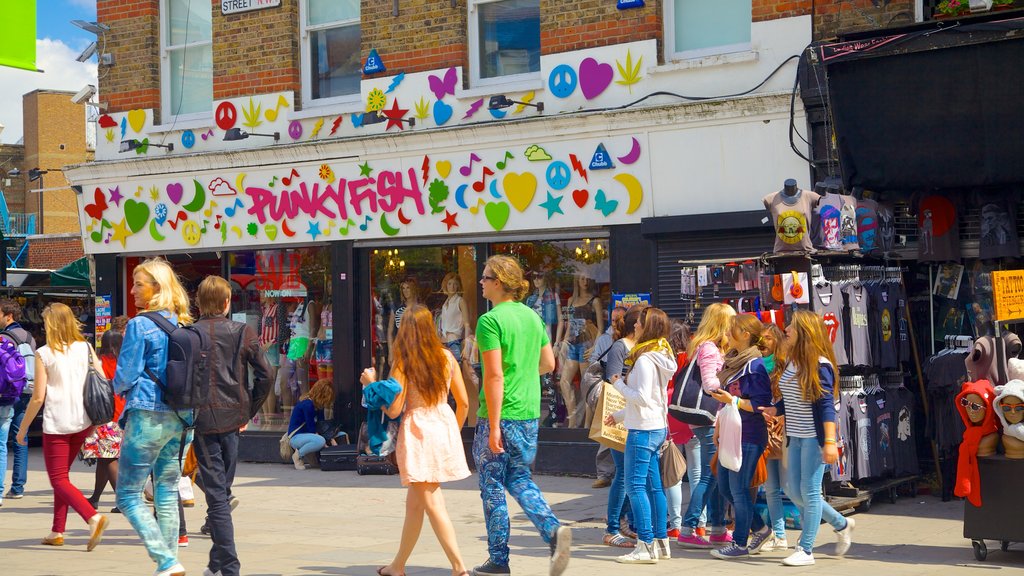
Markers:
97,236
209,211
182,215
467,170
208,134
230,210
287,180
479,203
109,236
273,181
203,229
479,186
364,224
344,229
271,113
216,224
501,165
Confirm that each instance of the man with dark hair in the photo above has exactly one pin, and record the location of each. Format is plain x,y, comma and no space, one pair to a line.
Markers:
10,313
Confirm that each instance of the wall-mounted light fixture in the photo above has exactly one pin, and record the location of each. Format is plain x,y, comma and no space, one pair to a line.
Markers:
501,101
377,117
235,134
129,145
99,30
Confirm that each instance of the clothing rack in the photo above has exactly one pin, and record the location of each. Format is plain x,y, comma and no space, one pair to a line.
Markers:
959,343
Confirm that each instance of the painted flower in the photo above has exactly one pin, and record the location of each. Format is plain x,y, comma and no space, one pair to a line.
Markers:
326,174
376,100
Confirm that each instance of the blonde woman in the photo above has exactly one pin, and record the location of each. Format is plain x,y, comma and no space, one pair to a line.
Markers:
153,432
61,367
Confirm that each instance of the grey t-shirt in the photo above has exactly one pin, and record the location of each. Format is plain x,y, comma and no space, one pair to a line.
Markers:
862,424
886,234
867,225
857,301
840,471
615,361
829,217
828,303
791,217
848,223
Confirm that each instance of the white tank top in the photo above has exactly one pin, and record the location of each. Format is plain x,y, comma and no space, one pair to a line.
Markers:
450,321
64,410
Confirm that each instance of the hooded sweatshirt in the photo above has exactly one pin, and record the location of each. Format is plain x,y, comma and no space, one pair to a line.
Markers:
968,482
1012,388
646,392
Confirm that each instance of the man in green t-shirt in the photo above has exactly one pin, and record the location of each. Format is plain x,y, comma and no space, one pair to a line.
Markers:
515,351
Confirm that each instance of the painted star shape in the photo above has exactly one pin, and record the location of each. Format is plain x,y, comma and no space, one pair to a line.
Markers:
115,195
553,205
121,233
365,169
314,229
450,220
395,115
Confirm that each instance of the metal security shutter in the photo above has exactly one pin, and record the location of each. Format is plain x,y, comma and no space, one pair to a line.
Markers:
724,245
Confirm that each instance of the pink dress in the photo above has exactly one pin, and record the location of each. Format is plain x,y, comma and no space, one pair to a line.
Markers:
429,443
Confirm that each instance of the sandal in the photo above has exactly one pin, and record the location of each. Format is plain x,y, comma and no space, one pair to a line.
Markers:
618,541
627,533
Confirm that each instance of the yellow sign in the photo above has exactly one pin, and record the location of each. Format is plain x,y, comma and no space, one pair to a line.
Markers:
1008,295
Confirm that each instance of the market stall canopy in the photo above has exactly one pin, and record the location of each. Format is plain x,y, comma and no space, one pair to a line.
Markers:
935,106
74,274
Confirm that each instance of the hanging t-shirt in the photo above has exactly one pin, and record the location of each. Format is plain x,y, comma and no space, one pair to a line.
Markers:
867,225
848,223
904,442
828,303
881,434
857,300
886,230
862,425
840,471
886,300
829,216
998,224
791,217
938,229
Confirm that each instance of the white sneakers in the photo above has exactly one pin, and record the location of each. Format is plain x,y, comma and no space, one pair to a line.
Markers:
297,460
176,570
845,537
643,553
775,544
799,558
662,548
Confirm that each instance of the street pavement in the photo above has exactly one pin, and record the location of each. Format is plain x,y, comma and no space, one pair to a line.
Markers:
310,522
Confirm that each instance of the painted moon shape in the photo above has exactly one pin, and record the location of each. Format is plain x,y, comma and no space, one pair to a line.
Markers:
460,196
634,153
636,191
199,200
241,179
386,227
152,231
286,229
494,189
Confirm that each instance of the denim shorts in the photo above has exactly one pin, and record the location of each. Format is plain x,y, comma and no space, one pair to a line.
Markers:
576,352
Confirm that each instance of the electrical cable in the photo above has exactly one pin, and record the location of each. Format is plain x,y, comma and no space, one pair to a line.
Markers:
792,117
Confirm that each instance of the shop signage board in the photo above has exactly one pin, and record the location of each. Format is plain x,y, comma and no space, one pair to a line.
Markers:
537,185
236,6
103,317
1008,295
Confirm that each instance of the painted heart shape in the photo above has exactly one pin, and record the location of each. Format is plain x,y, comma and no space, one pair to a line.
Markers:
442,113
595,77
137,119
174,192
271,230
96,209
580,197
520,189
444,168
136,214
497,214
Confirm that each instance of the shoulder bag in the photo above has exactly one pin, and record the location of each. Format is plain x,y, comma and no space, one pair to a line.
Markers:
286,445
689,403
98,394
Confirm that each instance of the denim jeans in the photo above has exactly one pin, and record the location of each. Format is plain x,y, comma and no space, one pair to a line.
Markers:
773,494
706,492
643,483
691,450
217,455
803,486
735,487
308,443
151,443
6,415
20,473
455,347
510,471
617,502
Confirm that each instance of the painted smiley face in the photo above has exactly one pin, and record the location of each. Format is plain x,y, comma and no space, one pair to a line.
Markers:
558,175
562,81
190,232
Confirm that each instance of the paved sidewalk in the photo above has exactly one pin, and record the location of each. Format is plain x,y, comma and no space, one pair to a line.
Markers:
338,523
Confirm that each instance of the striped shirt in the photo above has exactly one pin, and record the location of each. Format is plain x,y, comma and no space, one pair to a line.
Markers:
799,413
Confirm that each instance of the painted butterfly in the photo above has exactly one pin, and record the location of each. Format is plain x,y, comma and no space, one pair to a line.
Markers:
446,86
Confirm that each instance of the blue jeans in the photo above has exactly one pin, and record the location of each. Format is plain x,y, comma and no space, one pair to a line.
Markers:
6,415
617,495
20,473
643,483
455,347
308,443
151,443
705,494
773,494
735,487
803,486
510,471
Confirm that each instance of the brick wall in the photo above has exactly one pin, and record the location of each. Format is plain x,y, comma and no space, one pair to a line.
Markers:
568,25
134,41
426,35
831,18
54,252
256,52
13,156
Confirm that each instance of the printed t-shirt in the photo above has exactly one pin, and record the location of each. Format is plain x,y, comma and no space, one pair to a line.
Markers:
867,225
828,303
886,230
904,444
885,306
862,447
860,339
881,434
520,335
938,229
848,223
791,217
829,216
998,224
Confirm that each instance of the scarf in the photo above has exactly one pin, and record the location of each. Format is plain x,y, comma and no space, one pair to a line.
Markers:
660,345
968,481
735,360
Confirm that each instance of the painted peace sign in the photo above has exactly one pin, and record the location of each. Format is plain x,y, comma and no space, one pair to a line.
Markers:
188,138
226,116
558,175
562,81
295,129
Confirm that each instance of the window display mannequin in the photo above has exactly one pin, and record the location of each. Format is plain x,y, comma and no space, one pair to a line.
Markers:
545,302
453,322
268,332
293,376
583,323
790,210
974,403
410,294
1010,410
324,348
378,336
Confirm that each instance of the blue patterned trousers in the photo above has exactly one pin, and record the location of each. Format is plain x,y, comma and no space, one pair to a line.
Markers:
510,471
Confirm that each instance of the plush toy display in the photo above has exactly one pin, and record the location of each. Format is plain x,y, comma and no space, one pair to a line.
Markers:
1009,408
974,403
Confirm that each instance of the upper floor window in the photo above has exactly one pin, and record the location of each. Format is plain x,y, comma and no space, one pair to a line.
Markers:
331,67
504,39
695,28
187,58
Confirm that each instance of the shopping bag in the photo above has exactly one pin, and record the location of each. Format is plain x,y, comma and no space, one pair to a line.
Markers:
672,464
730,436
611,401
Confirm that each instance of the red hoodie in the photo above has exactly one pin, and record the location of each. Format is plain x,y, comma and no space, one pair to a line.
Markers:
968,483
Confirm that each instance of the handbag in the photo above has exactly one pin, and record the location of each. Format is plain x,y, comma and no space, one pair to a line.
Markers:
286,445
98,395
672,464
689,403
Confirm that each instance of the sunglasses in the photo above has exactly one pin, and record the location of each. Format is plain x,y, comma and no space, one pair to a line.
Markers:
1011,408
971,405
486,277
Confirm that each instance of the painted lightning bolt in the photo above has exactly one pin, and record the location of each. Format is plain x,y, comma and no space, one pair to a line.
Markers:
473,108
395,82
316,128
337,122
426,169
578,167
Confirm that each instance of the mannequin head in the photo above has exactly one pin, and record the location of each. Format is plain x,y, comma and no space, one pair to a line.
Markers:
452,284
538,280
585,285
409,290
789,187
1012,408
974,405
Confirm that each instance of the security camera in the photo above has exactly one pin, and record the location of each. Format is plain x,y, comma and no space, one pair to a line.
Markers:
84,95
88,52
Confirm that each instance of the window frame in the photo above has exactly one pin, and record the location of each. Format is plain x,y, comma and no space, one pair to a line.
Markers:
305,60
473,44
670,39
166,117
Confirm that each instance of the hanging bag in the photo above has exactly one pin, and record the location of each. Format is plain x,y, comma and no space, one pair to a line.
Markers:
286,445
730,437
672,464
689,403
98,395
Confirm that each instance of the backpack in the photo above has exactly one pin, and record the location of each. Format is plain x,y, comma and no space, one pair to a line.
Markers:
12,372
27,353
188,364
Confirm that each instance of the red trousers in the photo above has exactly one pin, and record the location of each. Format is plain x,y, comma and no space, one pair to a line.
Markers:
59,451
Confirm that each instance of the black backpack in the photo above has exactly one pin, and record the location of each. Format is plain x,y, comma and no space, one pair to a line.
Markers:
188,364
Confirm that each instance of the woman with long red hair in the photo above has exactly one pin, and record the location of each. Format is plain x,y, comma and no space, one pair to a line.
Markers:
429,444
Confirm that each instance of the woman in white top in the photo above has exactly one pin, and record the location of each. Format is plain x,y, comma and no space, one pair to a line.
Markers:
61,367
453,322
